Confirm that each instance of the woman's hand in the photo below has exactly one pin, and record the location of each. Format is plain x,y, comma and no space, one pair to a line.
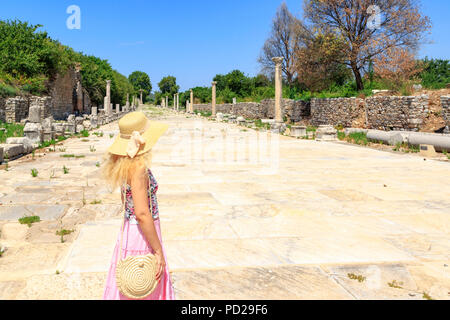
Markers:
160,265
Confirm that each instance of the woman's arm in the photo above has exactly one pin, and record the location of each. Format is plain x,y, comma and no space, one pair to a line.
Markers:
139,183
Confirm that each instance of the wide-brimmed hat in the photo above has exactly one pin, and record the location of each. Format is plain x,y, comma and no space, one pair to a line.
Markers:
137,135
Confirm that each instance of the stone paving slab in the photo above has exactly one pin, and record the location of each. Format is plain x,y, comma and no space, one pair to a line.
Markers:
93,250
45,212
279,283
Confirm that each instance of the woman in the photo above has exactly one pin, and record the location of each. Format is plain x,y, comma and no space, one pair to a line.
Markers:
127,166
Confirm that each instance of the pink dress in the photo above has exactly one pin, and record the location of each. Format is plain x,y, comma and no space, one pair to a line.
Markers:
135,243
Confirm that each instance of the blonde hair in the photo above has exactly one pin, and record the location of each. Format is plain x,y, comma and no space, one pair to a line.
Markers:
118,169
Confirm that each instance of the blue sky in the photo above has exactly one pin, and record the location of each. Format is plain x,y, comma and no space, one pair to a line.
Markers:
191,40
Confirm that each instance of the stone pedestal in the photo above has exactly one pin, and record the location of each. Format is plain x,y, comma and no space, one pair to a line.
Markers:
94,111
278,127
298,131
326,133
34,132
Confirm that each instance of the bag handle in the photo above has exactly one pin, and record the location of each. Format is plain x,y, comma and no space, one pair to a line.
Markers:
124,195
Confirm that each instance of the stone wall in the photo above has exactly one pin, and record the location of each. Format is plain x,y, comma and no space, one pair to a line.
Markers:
2,109
16,109
335,111
397,113
382,113
294,110
445,103
63,94
45,103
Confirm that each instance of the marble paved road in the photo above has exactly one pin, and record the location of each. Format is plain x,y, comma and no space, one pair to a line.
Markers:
245,215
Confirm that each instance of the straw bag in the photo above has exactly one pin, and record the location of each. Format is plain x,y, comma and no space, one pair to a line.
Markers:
136,276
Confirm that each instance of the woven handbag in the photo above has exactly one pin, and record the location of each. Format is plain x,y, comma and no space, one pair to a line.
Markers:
136,275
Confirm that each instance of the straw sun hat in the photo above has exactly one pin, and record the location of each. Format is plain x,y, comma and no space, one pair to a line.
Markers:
137,135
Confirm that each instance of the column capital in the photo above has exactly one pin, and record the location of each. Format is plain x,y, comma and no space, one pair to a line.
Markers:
278,60
214,83
108,81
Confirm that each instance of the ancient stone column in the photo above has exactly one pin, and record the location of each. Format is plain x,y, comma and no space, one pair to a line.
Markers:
167,101
191,102
175,101
117,108
214,83
79,97
108,98
94,111
278,89
128,102
141,101
178,102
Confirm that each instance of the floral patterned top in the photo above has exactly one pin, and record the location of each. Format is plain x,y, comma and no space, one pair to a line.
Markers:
129,205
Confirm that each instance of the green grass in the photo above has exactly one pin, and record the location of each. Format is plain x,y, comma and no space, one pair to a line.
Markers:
64,232
96,202
65,170
29,220
341,135
72,156
97,164
356,277
406,148
34,173
395,284
426,296
311,129
92,148
47,144
259,124
206,114
11,130
359,138
85,133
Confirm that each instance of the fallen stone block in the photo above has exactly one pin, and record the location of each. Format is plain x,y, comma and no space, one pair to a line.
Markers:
13,150
26,142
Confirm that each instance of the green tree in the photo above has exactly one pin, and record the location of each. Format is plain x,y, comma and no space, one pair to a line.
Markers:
435,74
168,86
141,80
